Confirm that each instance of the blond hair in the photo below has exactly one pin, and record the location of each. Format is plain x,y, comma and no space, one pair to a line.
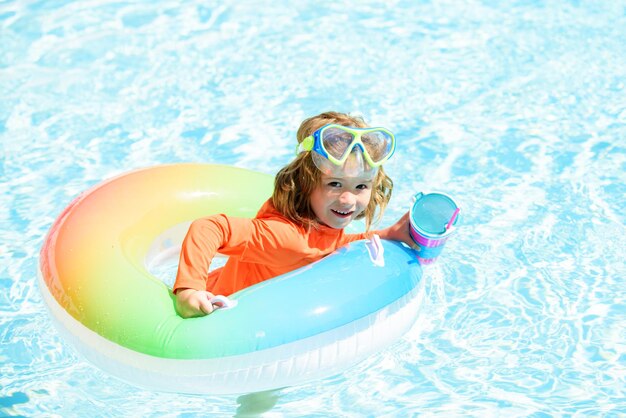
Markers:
295,182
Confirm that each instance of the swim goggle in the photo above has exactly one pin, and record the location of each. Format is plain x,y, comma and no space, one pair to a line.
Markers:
336,143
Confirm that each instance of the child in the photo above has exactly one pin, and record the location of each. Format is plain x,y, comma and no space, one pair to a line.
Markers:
336,177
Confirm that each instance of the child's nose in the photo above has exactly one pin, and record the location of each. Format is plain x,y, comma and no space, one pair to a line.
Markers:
347,198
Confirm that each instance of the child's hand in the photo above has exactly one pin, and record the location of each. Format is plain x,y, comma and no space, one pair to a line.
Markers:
191,303
399,231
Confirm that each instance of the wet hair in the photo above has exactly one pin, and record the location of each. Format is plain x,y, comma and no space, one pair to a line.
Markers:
295,182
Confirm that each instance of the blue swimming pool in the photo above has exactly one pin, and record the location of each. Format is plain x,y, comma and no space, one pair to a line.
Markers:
517,109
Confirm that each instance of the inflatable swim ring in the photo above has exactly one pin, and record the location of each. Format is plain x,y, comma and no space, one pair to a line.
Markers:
284,331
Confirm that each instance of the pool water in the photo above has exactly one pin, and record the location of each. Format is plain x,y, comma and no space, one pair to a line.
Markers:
516,109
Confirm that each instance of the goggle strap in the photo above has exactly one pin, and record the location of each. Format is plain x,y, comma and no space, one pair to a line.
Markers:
306,144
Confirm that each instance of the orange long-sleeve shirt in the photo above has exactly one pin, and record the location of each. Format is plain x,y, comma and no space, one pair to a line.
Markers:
261,248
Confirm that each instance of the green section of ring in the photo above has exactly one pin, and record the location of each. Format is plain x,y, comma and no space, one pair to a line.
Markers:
93,258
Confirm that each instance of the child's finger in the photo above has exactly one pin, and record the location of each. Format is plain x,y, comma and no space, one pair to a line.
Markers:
205,304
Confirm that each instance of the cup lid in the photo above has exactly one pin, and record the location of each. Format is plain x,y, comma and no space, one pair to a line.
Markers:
431,213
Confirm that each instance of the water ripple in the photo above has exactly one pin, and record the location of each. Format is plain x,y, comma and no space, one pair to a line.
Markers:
517,110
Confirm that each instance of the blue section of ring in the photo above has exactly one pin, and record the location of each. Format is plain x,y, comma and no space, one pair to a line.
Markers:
333,292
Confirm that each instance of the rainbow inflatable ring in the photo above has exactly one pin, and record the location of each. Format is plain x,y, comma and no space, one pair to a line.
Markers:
311,323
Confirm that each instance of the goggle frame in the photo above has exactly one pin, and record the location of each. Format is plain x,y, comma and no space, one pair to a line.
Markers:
315,143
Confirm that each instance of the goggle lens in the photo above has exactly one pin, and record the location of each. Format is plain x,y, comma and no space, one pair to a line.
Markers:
378,145
336,141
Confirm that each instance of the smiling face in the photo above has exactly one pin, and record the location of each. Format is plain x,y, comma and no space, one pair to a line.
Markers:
337,201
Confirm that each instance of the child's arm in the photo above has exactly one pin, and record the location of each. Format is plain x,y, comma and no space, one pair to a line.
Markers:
252,240
203,240
398,231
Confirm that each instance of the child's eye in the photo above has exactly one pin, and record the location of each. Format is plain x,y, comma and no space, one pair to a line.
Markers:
334,184
362,187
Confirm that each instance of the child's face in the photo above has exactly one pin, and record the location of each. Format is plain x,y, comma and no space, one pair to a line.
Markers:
338,200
